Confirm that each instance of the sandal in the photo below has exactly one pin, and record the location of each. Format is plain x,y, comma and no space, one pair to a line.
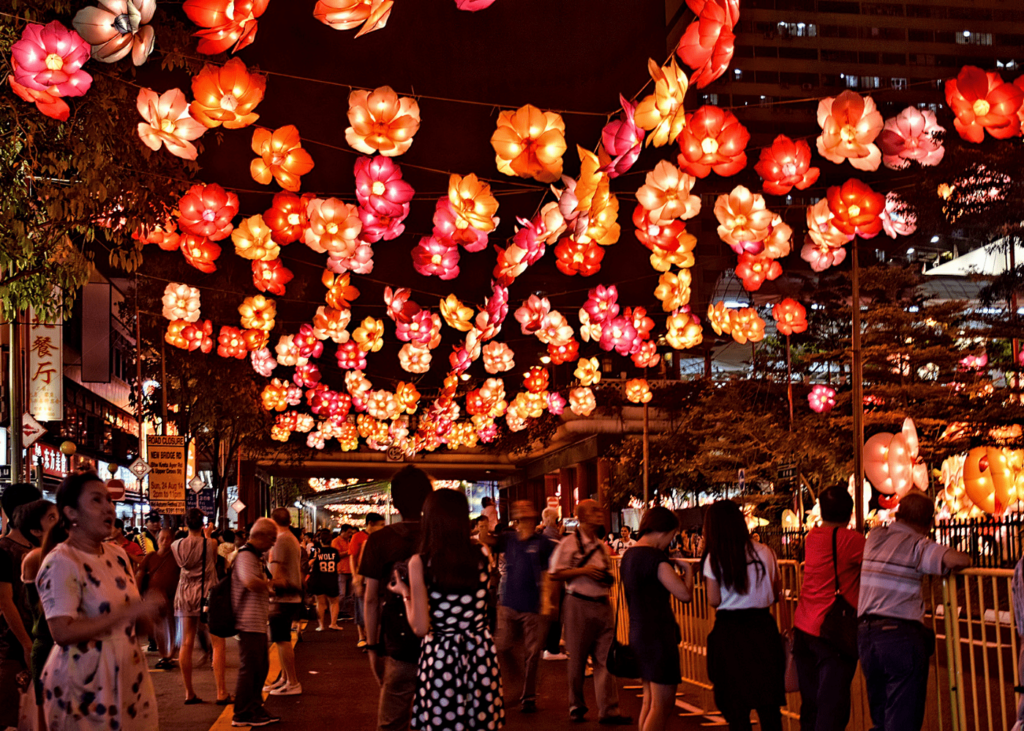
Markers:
225,701
193,701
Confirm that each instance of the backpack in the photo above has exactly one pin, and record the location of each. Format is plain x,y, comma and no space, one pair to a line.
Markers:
220,611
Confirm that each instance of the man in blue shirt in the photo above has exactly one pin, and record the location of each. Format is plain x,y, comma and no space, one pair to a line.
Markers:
520,621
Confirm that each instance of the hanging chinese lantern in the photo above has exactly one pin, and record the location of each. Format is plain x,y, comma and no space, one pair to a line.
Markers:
913,134
255,339
456,314
281,157
167,123
983,102
271,276
230,343
856,209
821,399
582,401
498,358
331,323
753,271
588,371
117,28
369,336
662,113
529,143
414,359
49,59
989,479
647,356
286,217
200,252
381,121
746,326
263,362
348,14
350,356
666,194
713,139
340,294
563,352
380,187
433,257
207,210
637,391
180,302
745,221
472,202
535,379
408,397
673,290
258,313
618,334
622,141
684,330
891,463
576,257
47,102
274,396
849,125
786,165
334,227
708,43
252,240
226,95
198,336
790,317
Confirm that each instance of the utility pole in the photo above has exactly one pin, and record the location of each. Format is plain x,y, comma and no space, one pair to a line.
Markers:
857,376
647,457
15,399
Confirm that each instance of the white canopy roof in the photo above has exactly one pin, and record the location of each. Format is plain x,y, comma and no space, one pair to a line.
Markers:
989,261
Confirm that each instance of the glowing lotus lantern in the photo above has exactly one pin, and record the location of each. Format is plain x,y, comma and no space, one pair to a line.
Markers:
281,157
381,121
200,252
347,14
713,139
288,352
252,240
382,405
498,358
554,329
563,352
720,318
666,194
307,375
588,371
198,336
582,401
790,317
49,58
647,356
414,359
263,362
622,140
531,315
340,294
180,302
856,209
529,143
454,231
331,323
286,218
786,165
418,331
407,396
168,123
116,28
849,125
618,334
684,330
400,308
380,187
271,276
662,260
708,43
891,463
779,242
225,23
535,379
274,396
662,113
637,391
433,257
578,257
472,202
369,335
173,336
334,227
673,290
913,134
47,102
746,326
983,102
226,95
255,339
752,271
821,399
456,314
670,236
230,343
258,312
898,219
350,356
744,220
207,210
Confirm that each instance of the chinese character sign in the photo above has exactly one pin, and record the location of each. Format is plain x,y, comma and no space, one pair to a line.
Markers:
45,369
166,457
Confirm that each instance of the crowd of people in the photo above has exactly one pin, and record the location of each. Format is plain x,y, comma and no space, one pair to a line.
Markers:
446,604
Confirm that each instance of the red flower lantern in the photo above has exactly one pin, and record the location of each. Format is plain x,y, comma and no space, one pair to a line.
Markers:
231,343
307,343
433,257
200,252
856,209
753,270
207,210
665,236
708,43
198,336
286,217
790,317
578,257
225,23
270,276
535,380
983,101
350,356
647,356
713,139
786,165
226,95
564,352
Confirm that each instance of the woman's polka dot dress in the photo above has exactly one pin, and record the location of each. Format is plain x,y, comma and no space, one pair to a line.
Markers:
458,684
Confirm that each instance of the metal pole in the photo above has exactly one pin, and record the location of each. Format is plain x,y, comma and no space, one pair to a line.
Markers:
15,394
647,453
163,385
1015,343
789,382
857,376
138,371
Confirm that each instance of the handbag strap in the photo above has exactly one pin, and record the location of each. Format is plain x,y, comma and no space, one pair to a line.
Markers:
202,581
835,558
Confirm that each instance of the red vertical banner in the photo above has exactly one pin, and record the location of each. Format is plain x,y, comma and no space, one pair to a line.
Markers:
45,375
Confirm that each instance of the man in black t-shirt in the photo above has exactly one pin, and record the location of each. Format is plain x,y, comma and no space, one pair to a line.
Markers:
393,648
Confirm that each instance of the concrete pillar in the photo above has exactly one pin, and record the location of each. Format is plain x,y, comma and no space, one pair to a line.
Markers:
584,485
567,482
604,476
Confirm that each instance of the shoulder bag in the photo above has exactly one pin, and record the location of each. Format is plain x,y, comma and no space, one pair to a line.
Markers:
621,662
204,615
839,627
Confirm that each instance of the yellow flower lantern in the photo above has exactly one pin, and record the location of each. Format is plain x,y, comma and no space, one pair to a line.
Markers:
530,143
258,313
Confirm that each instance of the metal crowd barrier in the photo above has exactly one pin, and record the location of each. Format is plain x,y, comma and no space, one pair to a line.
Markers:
973,670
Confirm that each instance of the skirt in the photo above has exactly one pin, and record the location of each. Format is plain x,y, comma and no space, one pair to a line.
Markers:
746,659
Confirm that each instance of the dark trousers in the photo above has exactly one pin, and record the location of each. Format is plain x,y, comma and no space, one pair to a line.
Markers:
254,664
825,677
894,656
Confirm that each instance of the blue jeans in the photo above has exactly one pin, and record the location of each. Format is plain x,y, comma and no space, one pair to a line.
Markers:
894,656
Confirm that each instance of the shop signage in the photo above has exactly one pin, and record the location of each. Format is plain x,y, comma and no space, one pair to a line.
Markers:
45,369
31,430
166,458
53,462
202,500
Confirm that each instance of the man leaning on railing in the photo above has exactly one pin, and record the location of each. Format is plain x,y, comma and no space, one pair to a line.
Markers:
893,642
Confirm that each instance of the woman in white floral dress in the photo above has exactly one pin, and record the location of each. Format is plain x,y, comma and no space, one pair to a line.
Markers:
96,677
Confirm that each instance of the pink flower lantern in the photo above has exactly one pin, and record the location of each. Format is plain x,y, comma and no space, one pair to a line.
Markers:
601,304
400,309
263,362
618,334
380,187
377,226
821,256
622,140
554,329
49,59
821,399
414,359
899,218
556,403
307,343
350,356
974,362
418,331
912,135
531,315
455,230
306,376
433,258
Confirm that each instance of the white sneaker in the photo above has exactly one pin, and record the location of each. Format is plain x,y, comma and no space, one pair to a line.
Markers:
279,683
319,628
288,689
560,656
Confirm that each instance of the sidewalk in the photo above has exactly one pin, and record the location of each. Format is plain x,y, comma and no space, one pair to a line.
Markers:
338,689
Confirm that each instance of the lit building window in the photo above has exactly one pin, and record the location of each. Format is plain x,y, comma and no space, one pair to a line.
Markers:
798,30
898,83
970,38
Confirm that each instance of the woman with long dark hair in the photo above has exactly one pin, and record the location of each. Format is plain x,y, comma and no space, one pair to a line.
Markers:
96,671
650,582
746,661
446,601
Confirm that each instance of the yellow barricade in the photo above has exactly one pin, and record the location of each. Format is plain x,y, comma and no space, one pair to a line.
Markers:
974,667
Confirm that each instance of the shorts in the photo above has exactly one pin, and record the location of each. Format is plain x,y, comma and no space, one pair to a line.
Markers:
323,585
281,617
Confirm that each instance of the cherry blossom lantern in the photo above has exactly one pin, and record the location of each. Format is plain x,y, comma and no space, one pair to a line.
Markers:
821,399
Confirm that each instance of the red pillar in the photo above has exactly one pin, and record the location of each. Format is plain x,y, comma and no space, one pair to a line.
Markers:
567,482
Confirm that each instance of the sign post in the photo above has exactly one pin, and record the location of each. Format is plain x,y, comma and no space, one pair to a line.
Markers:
166,458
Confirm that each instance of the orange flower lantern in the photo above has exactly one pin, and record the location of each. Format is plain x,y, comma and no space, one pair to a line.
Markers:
744,220
779,242
257,340
271,276
340,294
588,371
200,252
638,391
258,313
669,236
790,317
563,352
856,209
582,401
47,101
662,113
786,165
347,14
408,397
369,335
984,102
708,43
535,380
275,396
666,194
576,257
414,359
281,157
382,405
720,318
713,139
753,270
168,123
849,125
989,480
684,330
331,323
456,314
231,343
173,336
746,326
381,121
498,357
164,235
673,290
532,313
226,95
662,260
821,227
472,202
225,23
334,227
602,218
252,240
286,217
530,143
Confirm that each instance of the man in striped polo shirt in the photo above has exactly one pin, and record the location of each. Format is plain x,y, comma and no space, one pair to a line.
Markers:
893,641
